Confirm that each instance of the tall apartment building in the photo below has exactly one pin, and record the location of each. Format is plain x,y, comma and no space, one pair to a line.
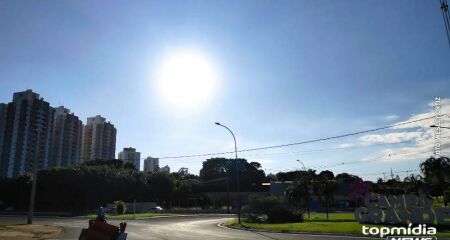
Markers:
99,139
27,124
129,155
67,133
3,108
151,164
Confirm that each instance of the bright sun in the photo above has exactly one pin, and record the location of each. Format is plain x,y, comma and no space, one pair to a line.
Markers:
187,80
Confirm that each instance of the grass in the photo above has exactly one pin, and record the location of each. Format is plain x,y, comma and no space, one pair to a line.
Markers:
131,215
339,223
337,217
3,224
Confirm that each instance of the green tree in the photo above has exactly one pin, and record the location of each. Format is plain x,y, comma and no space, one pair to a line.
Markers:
436,172
325,187
299,196
216,171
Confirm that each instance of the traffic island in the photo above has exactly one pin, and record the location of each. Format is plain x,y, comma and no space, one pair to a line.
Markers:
30,231
337,224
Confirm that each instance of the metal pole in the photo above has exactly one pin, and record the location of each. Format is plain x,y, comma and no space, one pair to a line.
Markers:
34,183
237,171
134,208
304,168
228,193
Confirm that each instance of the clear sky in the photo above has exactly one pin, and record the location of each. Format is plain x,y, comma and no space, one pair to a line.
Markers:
284,71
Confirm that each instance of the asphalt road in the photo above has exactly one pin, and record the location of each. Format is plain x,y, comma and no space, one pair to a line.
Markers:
181,228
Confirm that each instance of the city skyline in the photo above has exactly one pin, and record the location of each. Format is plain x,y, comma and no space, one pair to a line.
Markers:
280,79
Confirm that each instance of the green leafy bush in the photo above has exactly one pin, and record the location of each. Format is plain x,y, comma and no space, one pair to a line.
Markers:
282,215
121,207
446,197
273,208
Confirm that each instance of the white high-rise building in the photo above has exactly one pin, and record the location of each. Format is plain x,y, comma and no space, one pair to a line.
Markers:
151,164
99,140
129,155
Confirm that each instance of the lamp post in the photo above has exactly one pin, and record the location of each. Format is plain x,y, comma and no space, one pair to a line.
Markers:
304,168
237,173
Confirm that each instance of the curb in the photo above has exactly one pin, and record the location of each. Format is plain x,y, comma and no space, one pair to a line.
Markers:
159,217
180,216
223,225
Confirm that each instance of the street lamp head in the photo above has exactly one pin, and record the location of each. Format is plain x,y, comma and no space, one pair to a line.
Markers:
217,123
433,126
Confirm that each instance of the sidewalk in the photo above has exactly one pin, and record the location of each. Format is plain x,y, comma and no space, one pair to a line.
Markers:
33,231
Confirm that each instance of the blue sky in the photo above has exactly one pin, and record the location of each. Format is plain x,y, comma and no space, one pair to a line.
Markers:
289,71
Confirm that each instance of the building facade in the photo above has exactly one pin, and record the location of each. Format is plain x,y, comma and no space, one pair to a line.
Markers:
67,135
3,108
27,126
129,155
99,139
151,164
165,169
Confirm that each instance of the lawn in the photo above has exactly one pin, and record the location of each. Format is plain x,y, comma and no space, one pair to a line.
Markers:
3,224
338,223
131,215
340,216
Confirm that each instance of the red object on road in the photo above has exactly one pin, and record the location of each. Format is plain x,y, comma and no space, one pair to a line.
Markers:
99,230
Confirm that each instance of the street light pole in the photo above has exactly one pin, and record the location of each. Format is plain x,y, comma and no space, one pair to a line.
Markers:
304,168
237,172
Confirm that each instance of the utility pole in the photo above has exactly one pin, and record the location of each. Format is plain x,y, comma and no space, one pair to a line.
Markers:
34,176
446,16
228,193
134,208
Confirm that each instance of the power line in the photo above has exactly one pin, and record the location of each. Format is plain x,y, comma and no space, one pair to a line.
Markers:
340,148
382,173
445,15
352,162
373,160
302,142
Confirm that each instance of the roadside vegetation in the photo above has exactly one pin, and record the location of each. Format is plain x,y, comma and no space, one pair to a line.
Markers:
338,223
291,212
82,189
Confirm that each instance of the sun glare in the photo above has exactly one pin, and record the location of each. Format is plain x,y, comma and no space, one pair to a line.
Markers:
187,80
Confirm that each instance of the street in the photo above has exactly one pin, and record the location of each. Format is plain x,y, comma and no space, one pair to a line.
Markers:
179,228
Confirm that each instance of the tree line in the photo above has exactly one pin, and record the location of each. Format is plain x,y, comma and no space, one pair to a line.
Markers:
79,189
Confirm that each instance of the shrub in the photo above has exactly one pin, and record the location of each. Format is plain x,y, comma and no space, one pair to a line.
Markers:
121,207
273,208
446,197
282,215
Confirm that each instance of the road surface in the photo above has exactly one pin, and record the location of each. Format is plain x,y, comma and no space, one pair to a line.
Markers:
181,228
